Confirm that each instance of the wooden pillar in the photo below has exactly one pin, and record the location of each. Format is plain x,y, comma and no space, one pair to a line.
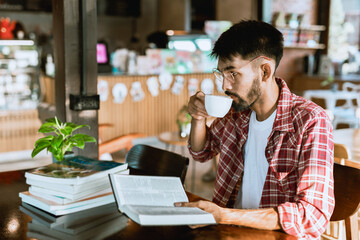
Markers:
323,13
71,68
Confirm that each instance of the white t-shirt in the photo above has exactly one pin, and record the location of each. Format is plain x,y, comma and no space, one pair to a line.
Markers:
255,163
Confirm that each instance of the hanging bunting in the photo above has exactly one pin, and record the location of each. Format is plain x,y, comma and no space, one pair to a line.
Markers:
153,86
136,92
178,85
103,90
193,86
165,79
207,86
119,92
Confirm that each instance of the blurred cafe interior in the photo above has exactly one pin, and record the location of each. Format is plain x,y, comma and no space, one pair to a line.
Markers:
128,67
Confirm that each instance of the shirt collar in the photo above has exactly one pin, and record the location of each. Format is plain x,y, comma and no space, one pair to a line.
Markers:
283,120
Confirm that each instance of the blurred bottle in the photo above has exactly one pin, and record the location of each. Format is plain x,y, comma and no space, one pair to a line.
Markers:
50,66
131,62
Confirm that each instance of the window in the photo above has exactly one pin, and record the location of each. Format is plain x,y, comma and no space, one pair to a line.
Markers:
344,35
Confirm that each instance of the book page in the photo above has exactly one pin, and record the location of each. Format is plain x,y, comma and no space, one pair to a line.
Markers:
148,190
160,210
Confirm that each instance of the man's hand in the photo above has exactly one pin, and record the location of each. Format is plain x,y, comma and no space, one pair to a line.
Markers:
196,106
207,206
265,218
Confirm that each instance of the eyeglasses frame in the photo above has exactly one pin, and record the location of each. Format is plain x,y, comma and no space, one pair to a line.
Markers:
217,73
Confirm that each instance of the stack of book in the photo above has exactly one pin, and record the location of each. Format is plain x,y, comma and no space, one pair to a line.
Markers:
95,223
72,185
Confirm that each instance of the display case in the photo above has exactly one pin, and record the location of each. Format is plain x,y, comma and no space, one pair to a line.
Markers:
19,75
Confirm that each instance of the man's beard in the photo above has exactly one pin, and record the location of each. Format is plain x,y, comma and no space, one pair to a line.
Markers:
253,95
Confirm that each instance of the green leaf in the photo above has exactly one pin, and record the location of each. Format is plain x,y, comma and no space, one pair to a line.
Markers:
65,132
80,126
80,144
49,124
89,139
68,145
59,157
51,120
68,130
46,129
44,139
55,151
72,125
57,141
39,147
83,137
57,121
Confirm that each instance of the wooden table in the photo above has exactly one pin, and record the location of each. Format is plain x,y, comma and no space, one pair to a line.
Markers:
173,139
351,138
13,222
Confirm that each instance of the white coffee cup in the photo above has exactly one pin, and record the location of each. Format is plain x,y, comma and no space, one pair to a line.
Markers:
217,106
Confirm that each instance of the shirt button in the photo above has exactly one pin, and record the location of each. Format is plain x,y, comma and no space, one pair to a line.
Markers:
268,151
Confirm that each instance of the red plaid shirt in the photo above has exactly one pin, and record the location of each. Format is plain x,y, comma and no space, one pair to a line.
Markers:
299,180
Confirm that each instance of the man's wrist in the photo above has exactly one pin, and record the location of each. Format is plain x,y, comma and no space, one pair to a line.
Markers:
224,216
198,122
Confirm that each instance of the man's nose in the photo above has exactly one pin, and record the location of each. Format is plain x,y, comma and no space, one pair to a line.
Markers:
226,84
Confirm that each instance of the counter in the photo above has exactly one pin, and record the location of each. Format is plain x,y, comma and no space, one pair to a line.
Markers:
150,116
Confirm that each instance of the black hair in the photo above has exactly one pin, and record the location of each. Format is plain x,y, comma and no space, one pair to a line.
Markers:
249,39
160,39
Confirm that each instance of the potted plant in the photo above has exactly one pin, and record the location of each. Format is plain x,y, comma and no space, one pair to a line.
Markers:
183,121
63,139
331,82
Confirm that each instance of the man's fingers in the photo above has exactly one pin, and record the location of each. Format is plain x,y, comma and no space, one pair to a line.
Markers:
188,204
194,110
201,96
197,226
196,106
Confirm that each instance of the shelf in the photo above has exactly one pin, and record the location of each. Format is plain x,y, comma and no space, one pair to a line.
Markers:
317,28
17,43
304,46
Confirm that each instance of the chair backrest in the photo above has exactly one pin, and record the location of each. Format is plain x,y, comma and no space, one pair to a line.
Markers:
156,162
347,197
341,151
351,87
118,143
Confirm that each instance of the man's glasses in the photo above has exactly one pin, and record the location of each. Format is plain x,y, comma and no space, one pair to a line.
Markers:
220,76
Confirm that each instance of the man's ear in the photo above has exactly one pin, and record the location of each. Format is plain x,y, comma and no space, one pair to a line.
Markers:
266,71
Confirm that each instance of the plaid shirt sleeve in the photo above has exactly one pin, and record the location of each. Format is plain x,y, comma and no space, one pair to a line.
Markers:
309,214
212,144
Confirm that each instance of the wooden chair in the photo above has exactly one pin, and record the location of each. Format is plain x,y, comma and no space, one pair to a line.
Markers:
117,143
347,198
349,112
341,156
341,151
147,160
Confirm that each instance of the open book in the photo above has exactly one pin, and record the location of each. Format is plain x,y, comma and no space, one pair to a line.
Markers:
149,201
